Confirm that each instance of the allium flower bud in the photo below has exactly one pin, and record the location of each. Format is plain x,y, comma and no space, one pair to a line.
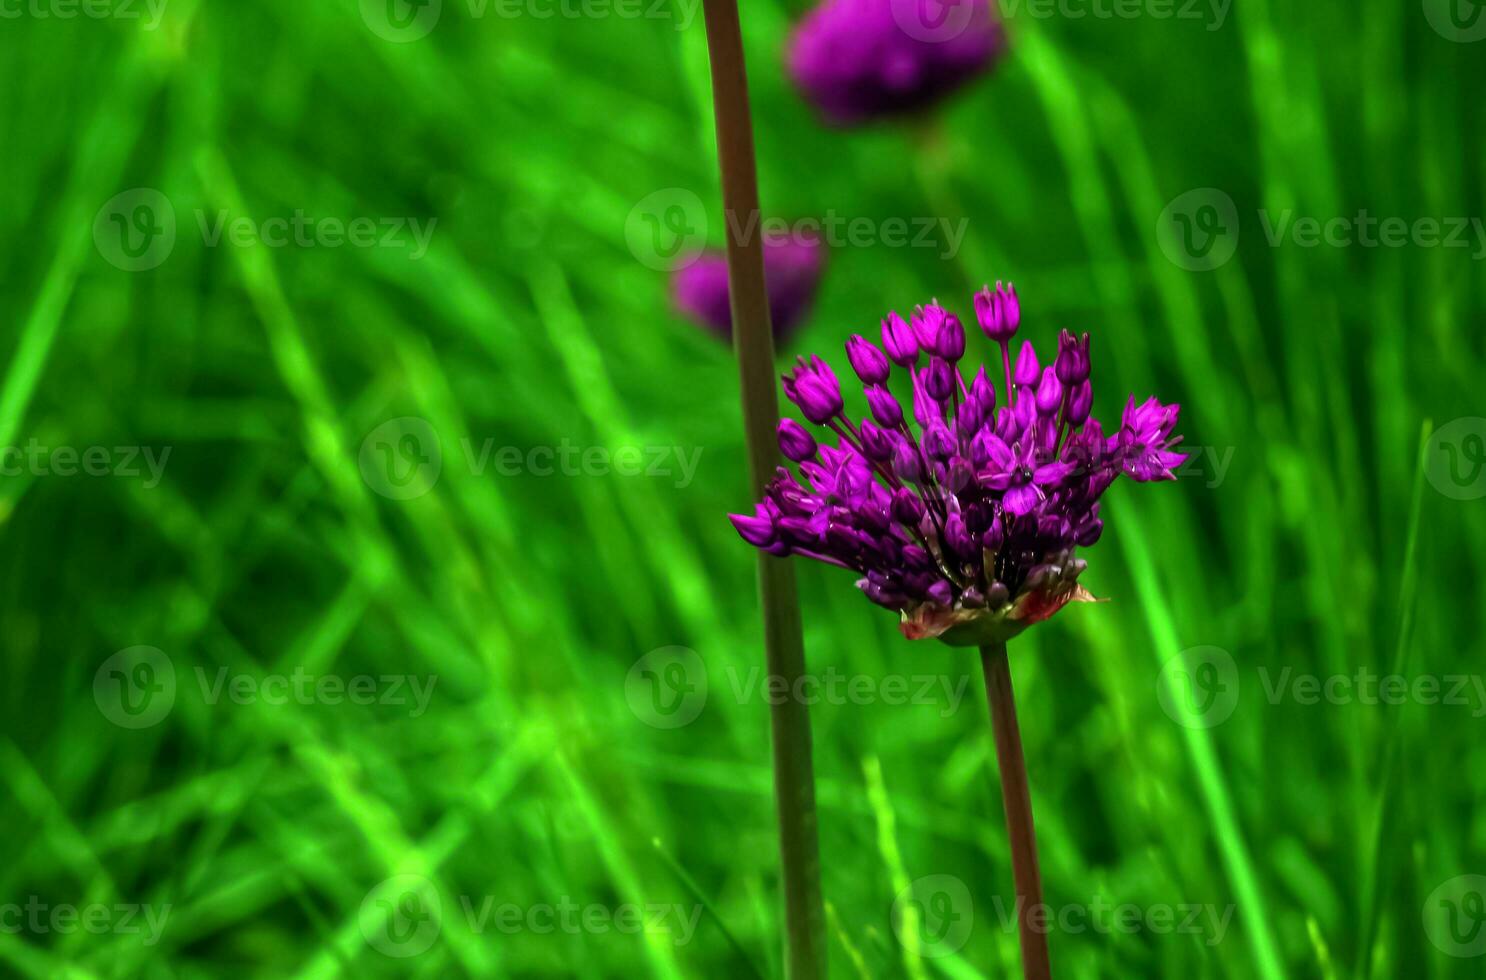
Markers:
795,442
907,507
1049,393
970,415
898,341
885,408
876,443
1028,370
817,399
870,364
925,321
983,390
939,379
998,312
959,539
906,463
758,530
938,443
1073,359
1080,404
925,408
994,536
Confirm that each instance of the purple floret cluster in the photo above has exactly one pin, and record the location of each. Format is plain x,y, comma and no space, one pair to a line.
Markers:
966,514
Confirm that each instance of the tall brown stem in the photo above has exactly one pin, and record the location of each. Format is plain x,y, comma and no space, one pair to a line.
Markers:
753,340
1018,802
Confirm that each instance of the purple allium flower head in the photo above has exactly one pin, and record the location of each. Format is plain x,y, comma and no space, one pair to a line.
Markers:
792,271
860,60
969,526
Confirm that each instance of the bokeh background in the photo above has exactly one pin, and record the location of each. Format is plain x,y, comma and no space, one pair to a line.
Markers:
208,713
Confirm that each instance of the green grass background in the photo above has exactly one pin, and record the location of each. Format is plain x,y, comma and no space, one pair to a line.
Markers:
530,779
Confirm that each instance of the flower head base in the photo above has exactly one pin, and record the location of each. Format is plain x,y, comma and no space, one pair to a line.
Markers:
859,60
792,270
969,527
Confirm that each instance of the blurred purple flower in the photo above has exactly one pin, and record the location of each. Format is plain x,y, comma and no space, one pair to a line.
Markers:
968,529
792,270
859,60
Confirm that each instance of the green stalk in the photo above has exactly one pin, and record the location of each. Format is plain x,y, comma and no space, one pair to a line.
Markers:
1017,799
753,340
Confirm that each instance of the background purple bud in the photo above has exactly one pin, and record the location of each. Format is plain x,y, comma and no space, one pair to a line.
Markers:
792,271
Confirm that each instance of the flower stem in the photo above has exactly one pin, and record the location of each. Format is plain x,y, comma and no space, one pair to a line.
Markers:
753,340
1018,801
